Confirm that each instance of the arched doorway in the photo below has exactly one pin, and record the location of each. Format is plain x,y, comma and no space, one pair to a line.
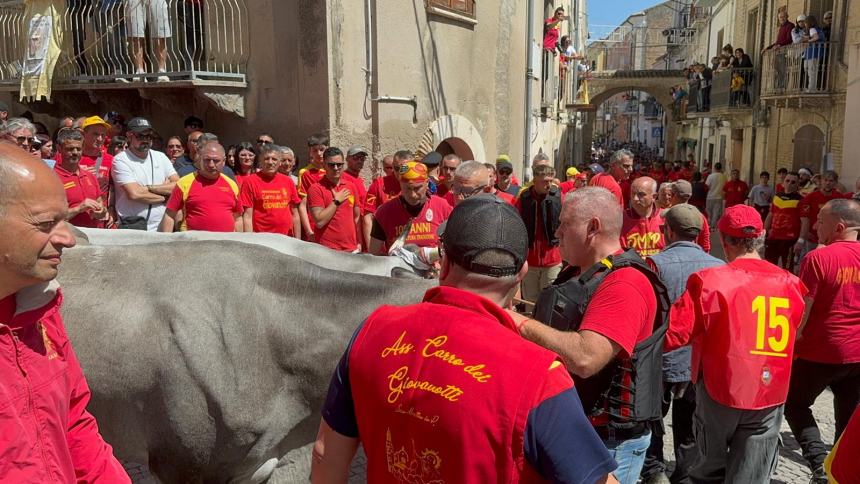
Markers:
455,146
808,148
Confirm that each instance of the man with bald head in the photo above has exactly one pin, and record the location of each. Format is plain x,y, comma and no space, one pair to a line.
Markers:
641,227
599,314
48,435
208,199
470,178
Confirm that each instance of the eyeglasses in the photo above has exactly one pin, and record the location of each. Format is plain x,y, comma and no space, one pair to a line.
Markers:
336,166
505,172
25,140
467,192
264,141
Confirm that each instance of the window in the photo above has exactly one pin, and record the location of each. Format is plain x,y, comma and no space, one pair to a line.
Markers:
464,7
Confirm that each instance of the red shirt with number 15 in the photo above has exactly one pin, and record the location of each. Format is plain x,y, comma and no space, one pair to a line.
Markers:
742,320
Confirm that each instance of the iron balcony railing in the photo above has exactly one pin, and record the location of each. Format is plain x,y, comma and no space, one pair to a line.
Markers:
734,88
121,41
799,69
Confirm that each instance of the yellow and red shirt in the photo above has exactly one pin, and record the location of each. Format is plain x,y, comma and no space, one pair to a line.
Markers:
272,201
785,217
393,218
80,186
643,234
308,177
210,205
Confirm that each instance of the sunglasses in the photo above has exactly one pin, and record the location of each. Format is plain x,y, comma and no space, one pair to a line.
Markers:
25,139
505,172
467,192
336,166
264,141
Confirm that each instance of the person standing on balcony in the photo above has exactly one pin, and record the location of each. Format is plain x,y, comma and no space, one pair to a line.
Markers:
783,38
827,23
552,27
813,53
140,14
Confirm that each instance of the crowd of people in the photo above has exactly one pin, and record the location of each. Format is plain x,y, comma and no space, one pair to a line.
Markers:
573,312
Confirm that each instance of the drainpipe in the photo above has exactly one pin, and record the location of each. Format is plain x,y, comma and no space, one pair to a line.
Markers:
527,131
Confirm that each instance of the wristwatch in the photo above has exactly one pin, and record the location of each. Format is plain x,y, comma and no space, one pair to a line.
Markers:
337,202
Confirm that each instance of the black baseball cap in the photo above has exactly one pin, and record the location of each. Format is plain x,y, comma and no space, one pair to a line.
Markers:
480,223
434,158
139,125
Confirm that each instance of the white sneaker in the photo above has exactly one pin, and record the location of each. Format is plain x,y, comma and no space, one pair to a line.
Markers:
163,79
139,76
122,80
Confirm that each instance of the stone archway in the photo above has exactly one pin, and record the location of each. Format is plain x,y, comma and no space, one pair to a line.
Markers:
455,134
656,83
808,148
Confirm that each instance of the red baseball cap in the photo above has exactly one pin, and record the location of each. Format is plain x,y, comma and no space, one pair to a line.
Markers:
741,222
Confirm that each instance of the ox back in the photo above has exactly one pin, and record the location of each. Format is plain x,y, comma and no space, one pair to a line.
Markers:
209,360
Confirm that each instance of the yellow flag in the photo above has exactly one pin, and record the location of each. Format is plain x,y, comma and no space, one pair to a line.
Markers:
43,36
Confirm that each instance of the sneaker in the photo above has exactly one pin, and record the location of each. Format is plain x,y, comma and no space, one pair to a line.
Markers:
138,77
163,79
122,80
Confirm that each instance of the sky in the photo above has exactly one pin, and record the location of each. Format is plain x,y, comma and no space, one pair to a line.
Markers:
612,13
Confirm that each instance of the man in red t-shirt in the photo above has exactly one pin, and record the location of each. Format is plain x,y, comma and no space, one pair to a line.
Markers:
334,205
309,176
387,187
641,230
540,207
414,210
446,173
828,353
735,190
621,169
620,313
742,352
809,208
783,223
355,158
269,198
95,159
86,205
207,199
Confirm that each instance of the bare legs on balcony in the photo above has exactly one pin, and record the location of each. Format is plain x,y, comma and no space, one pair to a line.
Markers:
151,13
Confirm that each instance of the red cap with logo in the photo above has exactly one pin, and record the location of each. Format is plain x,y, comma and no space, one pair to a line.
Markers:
741,222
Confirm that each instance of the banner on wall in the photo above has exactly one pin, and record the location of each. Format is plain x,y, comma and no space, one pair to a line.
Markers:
43,37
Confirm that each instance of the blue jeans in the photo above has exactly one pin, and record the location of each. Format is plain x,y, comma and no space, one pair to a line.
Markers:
630,456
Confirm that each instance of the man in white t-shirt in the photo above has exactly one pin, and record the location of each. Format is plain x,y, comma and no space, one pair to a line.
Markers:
144,177
714,201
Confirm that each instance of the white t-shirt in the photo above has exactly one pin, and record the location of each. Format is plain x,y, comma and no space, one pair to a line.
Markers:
716,182
155,169
761,195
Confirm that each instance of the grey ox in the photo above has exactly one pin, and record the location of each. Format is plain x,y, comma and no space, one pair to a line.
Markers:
209,360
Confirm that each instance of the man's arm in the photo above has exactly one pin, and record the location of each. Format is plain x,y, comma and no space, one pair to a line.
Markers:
808,301
248,219
584,352
238,222
297,222
366,226
303,218
87,204
168,222
139,193
165,188
377,247
768,221
323,215
804,233
332,456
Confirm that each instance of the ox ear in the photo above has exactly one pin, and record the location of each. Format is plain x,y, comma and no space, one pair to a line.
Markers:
401,273
81,237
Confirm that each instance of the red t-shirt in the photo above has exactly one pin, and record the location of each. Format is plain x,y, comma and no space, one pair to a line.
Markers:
622,309
381,191
642,234
103,175
785,217
541,253
240,179
625,190
735,192
704,239
842,464
340,231
80,186
209,205
309,176
832,333
272,201
393,218
608,182
361,191
811,205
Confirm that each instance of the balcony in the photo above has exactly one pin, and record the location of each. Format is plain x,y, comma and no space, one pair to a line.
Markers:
205,45
799,74
733,93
